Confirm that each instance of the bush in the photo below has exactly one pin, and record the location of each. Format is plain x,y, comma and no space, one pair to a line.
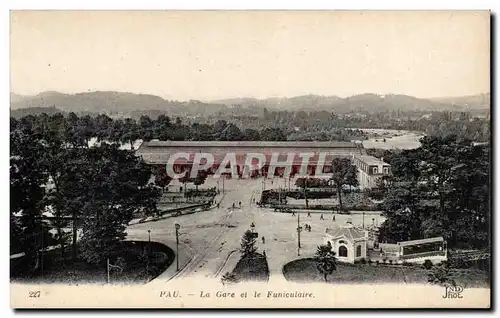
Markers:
405,263
390,261
427,264
362,260
370,261
377,262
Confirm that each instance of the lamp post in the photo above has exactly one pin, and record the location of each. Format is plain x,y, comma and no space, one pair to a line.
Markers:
149,241
148,252
41,252
177,227
299,229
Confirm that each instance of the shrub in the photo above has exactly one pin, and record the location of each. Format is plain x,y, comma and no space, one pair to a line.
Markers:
377,262
390,261
405,263
427,264
370,261
362,260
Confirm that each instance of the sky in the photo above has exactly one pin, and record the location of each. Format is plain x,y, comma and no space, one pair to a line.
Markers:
208,55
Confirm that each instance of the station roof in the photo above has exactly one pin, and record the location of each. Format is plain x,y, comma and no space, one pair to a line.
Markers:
158,152
371,160
257,144
350,232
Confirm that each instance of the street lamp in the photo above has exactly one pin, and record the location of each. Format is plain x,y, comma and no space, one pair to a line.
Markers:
148,252
177,227
299,229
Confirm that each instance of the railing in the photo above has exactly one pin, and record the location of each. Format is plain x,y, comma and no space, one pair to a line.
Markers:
424,254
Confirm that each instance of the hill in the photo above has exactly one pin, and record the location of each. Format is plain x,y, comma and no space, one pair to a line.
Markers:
362,102
472,101
130,104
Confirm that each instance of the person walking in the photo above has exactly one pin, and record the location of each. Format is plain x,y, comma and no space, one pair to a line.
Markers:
263,240
321,217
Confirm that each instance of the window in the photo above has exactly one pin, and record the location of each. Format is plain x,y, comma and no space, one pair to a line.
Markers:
342,251
358,251
375,170
386,170
342,242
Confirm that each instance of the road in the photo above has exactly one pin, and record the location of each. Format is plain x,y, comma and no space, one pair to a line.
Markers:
210,240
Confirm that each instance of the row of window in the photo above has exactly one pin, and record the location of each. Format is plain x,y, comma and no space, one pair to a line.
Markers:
343,250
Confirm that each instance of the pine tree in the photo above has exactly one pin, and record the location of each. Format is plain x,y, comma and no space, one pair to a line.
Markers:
248,242
325,260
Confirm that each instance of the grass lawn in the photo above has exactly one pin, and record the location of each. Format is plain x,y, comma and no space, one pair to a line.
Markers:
252,269
57,270
304,270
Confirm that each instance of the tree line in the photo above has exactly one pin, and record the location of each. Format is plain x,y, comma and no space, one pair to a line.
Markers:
439,189
58,183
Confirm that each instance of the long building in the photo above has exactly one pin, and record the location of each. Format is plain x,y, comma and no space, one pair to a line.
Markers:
156,152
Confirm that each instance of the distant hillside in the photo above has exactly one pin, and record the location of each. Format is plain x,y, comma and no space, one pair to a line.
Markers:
114,103
472,101
130,104
21,112
362,102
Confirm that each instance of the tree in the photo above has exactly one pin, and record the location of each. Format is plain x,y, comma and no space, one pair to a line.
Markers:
113,186
440,189
200,178
231,133
344,173
325,260
27,180
185,179
251,135
145,128
273,134
248,244
131,132
441,275
162,179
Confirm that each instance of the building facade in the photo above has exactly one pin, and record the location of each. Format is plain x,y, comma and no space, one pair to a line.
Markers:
370,170
157,153
348,242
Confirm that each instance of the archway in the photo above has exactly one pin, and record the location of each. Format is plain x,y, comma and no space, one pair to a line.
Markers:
342,251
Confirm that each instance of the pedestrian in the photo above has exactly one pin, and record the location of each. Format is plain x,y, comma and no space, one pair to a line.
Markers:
233,205
308,214
333,219
218,205
240,204
263,240
309,228
321,217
